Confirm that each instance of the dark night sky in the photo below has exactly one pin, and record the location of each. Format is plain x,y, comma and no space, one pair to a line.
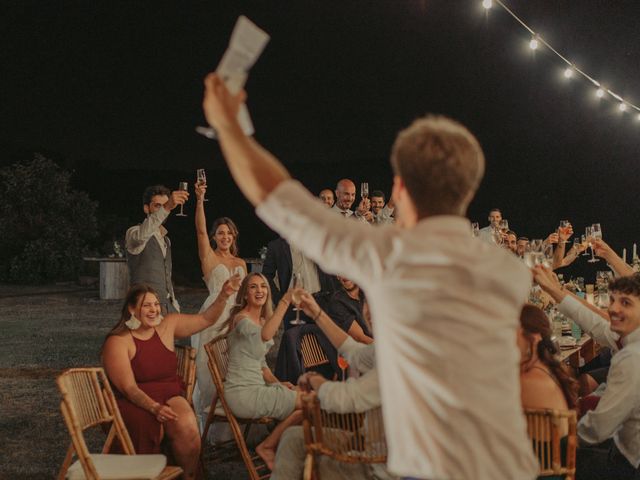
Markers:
118,85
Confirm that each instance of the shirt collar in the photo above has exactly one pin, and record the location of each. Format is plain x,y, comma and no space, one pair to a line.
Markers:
445,223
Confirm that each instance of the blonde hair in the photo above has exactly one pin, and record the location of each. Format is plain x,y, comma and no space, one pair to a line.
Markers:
440,162
241,301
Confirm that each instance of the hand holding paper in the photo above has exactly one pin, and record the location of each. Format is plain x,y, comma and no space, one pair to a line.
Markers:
245,46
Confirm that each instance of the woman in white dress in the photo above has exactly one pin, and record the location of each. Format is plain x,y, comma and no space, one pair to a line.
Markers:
219,261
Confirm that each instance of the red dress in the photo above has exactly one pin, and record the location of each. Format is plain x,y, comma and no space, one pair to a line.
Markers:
155,369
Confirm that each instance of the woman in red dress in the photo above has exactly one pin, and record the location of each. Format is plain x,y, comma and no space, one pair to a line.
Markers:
139,358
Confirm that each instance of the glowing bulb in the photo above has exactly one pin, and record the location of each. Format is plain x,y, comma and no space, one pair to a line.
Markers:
533,44
568,73
622,106
487,4
600,93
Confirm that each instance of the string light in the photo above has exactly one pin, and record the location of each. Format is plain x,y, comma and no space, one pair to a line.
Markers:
570,69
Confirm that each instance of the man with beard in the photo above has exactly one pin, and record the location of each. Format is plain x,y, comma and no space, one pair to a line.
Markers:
148,246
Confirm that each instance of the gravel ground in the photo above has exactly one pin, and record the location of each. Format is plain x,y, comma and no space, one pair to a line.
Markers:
45,330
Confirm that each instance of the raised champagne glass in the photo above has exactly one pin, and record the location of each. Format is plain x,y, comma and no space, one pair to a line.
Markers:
182,186
201,179
590,238
564,229
296,298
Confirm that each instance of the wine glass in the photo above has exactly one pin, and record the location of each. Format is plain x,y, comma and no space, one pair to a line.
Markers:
577,245
585,245
563,228
183,186
296,298
201,179
364,190
504,225
588,232
343,364
475,229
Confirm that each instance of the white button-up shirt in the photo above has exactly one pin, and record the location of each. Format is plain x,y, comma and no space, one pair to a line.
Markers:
618,412
136,238
445,311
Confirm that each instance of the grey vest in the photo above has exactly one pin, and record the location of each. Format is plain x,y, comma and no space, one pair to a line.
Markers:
150,267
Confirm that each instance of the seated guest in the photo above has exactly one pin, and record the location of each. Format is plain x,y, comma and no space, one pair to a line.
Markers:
353,396
345,308
251,389
382,213
609,434
544,380
139,359
327,197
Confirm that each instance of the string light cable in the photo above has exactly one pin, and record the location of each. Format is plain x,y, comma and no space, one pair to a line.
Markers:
571,69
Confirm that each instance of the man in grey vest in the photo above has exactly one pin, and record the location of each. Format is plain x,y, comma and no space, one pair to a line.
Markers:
149,248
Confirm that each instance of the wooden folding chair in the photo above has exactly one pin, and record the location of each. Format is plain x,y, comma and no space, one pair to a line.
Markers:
546,429
88,401
219,411
349,437
187,369
312,353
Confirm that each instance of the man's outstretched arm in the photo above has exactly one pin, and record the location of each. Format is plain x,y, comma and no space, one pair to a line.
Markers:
253,168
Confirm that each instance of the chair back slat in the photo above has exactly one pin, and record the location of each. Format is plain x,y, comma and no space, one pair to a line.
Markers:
312,353
350,437
187,368
218,359
546,428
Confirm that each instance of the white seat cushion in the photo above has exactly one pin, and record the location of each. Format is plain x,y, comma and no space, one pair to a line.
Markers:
120,467
218,411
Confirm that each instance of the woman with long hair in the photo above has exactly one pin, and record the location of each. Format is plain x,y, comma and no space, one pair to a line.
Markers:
545,381
139,358
218,252
251,389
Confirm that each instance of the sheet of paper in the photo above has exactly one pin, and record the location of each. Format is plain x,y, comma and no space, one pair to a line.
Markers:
245,46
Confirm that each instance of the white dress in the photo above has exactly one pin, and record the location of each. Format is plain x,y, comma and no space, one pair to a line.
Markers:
204,389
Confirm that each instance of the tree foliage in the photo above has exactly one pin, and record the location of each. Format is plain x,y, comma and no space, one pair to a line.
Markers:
46,225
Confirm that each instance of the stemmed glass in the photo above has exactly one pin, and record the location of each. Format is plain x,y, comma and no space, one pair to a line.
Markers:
585,245
183,186
534,252
343,364
564,225
475,229
504,225
589,233
364,190
577,245
296,298
201,179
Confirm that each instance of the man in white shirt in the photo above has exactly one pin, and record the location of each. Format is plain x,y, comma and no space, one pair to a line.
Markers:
345,196
445,307
382,212
617,414
487,233
148,246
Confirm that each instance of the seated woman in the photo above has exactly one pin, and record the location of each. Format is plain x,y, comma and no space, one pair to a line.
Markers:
544,380
139,359
251,389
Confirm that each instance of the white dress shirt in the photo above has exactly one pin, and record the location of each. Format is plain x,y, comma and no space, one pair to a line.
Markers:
384,216
445,311
617,414
137,236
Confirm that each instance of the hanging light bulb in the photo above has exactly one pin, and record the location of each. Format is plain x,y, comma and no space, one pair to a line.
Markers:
568,73
638,117
622,107
600,93
487,4
533,44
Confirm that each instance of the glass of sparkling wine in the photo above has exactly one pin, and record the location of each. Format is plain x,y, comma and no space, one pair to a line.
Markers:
564,228
590,234
201,179
364,190
296,298
183,186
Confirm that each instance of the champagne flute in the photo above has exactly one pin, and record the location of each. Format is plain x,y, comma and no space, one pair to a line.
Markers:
504,225
364,190
475,229
577,245
563,228
201,177
296,298
590,237
585,245
343,364
183,186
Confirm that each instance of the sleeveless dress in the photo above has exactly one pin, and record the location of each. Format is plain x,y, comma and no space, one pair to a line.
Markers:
205,390
155,370
245,390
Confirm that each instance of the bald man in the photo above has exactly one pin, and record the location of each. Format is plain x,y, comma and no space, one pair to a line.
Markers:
345,196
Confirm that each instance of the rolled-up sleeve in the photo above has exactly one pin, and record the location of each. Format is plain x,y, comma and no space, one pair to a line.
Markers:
340,246
355,395
618,400
137,237
358,355
590,322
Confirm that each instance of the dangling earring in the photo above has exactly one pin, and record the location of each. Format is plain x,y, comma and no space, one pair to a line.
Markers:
133,323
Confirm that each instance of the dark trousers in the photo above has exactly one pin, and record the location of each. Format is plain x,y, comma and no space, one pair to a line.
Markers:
603,462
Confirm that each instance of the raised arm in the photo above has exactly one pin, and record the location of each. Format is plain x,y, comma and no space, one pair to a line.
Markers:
115,358
272,324
205,252
254,169
186,325
334,333
602,249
